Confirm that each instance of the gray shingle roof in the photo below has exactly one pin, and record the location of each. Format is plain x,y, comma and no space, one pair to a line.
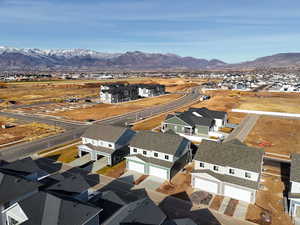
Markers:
295,168
12,188
231,154
209,113
160,142
75,184
104,132
143,211
193,120
44,208
231,179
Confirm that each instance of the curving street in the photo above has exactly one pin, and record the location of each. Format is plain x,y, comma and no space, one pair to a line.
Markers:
74,130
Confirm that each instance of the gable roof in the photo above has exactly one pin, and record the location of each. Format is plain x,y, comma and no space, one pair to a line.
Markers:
12,188
295,168
28,166
104,132
205,112
143,211
232,154
160,142
189,118
44,208
74,184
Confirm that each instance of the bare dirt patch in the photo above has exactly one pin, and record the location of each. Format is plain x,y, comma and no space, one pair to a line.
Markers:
216,202
102,111
269,202
281,134
26,132
114,171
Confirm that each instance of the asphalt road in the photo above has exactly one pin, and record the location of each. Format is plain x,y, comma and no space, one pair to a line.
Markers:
74,130
242,131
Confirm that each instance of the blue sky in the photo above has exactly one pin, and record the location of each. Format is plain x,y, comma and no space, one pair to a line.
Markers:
230,30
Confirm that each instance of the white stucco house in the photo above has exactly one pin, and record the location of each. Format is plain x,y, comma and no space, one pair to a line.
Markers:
157,154
231,169
106,141
294,192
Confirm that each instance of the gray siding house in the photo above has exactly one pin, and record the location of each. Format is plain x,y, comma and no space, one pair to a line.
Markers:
106,141
195,122
231,169
158,154
294,192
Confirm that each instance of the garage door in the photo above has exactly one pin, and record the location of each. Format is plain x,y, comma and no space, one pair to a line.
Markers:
237,193
138,167
158,172
206,185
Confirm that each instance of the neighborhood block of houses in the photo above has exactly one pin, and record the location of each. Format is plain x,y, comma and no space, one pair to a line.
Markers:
157,154
120,92
106,141
231,169
196,123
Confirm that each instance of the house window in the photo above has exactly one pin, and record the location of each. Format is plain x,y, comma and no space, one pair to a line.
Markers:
166,157
247,175
231,171
216,168
201,165
144,152
135,150
156,154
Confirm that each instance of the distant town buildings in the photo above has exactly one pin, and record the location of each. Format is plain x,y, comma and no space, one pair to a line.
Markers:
120,92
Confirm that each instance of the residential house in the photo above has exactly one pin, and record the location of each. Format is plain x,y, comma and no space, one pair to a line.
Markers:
12,190
231,169
34,170
158,154
44,208
143,211
106,141
195,122
294,192
150,90
119,92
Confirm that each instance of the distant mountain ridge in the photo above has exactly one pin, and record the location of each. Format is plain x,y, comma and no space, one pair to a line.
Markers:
14,58
84,59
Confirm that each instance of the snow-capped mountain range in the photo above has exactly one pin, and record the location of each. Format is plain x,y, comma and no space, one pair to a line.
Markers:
84,59
68,53
35,59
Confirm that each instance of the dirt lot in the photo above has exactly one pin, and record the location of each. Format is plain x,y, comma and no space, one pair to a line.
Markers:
269,201
24,131
281,135
102,111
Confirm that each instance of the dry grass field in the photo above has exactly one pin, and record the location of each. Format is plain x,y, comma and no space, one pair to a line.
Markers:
64,154
24,132
282,134
102,111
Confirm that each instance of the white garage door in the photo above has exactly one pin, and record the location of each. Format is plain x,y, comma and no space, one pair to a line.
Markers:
206,185
138,167
158,172
237,193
